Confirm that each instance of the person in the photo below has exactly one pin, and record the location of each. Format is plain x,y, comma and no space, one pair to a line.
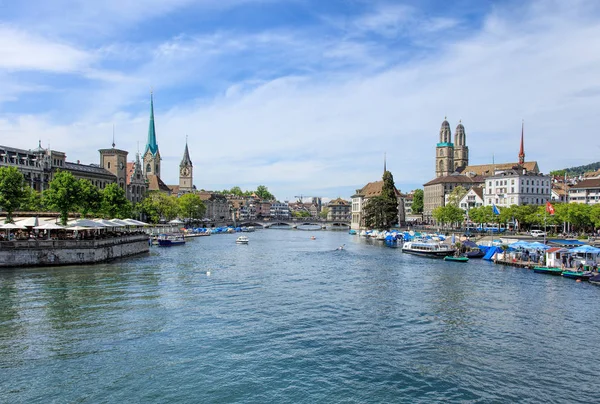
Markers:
570,261
564,261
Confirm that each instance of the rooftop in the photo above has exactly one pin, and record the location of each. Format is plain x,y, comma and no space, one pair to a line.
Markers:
457,179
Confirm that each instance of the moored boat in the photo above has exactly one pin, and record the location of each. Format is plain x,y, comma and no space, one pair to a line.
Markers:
428,249
584,276
595,280
169,240
548,271
456,259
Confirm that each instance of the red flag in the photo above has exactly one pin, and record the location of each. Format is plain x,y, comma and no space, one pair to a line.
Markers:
549,208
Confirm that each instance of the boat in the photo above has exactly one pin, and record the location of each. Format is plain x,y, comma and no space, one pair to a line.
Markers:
595,280
169,240
242,240
548,271
456,259
584,276
428,249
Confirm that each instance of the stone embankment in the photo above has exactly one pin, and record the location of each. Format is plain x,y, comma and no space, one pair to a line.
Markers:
23,253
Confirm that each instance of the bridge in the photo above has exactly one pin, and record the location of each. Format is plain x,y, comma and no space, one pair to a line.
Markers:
293,224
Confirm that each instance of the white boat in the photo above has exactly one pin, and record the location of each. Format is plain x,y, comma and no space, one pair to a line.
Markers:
428,249
242,240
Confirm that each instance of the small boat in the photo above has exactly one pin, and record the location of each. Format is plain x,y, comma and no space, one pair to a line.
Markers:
456,259
584,276
242,240
595,280
428,249
548,271
477,253
169,240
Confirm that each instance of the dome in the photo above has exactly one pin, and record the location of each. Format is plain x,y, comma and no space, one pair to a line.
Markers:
445,124
460,138
460,129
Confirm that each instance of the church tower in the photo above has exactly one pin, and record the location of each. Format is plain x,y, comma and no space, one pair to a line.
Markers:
522,149
115,161
444,153
186,172
461,151
151,154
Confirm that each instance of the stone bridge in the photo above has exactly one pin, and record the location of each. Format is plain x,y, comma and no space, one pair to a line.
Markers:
293,224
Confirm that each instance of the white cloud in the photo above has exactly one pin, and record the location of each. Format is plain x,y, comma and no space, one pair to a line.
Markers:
325,126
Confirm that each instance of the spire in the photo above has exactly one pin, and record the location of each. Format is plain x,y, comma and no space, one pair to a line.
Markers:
151,145
186,160
113,143
384,163
522,150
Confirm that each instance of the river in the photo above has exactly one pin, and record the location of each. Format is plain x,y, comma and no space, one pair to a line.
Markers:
290,319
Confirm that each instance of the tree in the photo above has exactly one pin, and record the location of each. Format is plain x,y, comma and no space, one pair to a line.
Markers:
417,205
448,214
114,202
324,212
264,194
456,195
11,190
595,216
381,212
191,206
157,206
300,213
374,212
91,197
32,200
237,191
63,195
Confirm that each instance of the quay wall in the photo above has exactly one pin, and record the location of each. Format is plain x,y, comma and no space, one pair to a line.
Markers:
22,253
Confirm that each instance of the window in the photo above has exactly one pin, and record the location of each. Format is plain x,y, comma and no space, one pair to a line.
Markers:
108,165
148,168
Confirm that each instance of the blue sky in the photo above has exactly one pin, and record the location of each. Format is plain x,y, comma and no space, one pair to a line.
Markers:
303,96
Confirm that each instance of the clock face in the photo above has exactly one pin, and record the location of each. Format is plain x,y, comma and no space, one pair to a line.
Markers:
185,171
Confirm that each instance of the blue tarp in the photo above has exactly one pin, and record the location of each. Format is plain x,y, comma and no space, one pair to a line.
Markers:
490,253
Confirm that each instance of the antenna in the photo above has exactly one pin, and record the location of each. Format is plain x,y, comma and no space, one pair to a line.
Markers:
113,143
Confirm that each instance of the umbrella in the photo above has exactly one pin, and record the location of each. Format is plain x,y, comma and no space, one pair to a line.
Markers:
587,249
85,223
29,222
49,226
175,221
539,245
134,222
520,244
107,223
76,228
11,226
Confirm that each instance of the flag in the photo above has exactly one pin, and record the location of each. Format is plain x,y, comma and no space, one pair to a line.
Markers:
549,208
495,209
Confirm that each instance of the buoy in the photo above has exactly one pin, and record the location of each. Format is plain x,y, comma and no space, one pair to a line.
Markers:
207,273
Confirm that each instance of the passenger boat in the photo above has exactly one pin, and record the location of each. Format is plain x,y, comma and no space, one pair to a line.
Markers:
169,240
456,259
584,276
242,240
436,250
548,271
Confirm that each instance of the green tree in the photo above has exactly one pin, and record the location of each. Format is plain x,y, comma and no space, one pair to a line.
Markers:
558,173
381,212
91,197
264,194
374,212
114,202
324,212
417,205
191,206
579,215
32,201
237,191
595,216
300,213
157,206
448,214
11,190
63,194
456,195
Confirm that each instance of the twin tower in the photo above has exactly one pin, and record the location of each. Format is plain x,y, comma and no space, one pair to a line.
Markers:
451,157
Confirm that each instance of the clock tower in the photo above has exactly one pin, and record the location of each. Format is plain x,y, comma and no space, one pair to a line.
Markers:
186,172
115,161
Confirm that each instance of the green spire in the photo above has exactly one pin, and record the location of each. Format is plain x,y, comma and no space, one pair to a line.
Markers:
151,145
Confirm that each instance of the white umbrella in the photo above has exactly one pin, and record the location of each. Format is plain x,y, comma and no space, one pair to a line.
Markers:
77,228
29,222
107,223
85,223
134,222
49,226
11,226
175,221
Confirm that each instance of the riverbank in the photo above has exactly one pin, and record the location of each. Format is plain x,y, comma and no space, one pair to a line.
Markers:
23,253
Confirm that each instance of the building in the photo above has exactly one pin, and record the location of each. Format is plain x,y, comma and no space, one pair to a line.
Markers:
586,191
217,206
186,172
472,199
97,175
280,210
361,199
558,194
36,165
517,187
451,157
339,210
151,157
135,181
435,191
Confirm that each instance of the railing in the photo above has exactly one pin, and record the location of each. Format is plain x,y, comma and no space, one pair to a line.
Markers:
56,244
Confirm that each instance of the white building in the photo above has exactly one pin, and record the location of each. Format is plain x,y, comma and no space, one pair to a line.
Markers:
586,191
280,210
472,199
517,187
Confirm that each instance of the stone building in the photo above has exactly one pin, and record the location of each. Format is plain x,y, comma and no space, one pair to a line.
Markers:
151,157
361,198
451,156
517,187
339,210
135,181
186,172
435,191
217,206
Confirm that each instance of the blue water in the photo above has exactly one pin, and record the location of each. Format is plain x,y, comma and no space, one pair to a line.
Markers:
289,319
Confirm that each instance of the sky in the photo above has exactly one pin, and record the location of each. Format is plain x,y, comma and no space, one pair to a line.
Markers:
303,96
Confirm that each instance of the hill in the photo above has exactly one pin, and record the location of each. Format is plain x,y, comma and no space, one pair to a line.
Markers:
574,171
